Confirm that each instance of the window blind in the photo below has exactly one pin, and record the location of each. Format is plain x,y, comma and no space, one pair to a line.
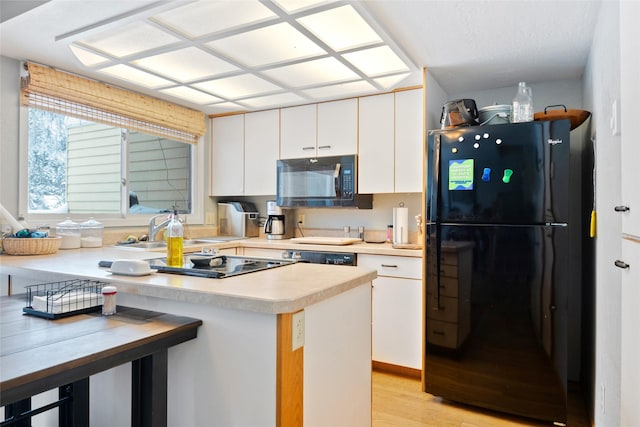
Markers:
53,90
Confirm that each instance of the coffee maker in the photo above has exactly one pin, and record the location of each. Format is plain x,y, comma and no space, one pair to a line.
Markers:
279,223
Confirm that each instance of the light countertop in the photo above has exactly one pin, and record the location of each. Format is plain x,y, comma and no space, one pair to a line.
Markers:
278,290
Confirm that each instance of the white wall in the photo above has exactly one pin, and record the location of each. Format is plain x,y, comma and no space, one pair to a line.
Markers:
9,135
601,88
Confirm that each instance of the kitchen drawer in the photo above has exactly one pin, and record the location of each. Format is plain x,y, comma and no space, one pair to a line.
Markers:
444,334
450,309
392,266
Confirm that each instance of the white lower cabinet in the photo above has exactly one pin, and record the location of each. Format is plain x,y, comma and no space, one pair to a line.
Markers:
396,309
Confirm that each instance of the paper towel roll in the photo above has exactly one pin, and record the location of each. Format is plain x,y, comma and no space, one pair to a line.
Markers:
400,225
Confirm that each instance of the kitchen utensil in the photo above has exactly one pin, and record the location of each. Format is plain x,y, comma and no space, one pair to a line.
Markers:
495,115
577,117
461,112
130,267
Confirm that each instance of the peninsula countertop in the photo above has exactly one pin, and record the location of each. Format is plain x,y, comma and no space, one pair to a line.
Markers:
278,290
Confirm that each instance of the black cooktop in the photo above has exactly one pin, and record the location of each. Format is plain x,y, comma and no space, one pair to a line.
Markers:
220,266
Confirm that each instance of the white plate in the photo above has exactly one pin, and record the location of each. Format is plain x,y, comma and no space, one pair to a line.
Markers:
134,274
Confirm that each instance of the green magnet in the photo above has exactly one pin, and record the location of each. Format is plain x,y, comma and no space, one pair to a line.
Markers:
506,178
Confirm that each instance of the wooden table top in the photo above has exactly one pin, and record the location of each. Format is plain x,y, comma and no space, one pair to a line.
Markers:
37,354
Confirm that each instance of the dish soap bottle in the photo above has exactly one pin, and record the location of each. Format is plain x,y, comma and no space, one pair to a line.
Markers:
522,106
175,233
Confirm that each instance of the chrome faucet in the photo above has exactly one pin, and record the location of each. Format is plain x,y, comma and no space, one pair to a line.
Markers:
154,228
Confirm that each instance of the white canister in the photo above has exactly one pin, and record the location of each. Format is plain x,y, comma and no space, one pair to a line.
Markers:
91,234
69,232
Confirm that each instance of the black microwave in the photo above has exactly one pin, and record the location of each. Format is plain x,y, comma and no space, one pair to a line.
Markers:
320,182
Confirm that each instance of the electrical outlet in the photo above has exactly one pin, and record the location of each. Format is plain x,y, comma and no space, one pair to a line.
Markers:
297,330
301,219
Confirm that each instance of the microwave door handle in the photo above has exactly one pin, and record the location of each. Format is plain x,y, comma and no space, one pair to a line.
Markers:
336,179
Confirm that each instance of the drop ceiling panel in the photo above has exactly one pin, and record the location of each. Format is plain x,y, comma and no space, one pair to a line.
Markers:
191,95
186,65
236,87
86,57
376,61
130,74
269,101
210,17
316,72
265,46
341,28
360,87
129,39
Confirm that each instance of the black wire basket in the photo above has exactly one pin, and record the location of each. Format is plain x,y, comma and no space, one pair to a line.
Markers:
55,300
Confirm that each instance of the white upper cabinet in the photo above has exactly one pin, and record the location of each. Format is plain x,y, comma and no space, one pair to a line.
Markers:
391,143
337,128
319,130
298,132
262,142
409,116
629,111
376,149
244,154
227,156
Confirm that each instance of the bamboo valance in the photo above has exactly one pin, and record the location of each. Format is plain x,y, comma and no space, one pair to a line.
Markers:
72,95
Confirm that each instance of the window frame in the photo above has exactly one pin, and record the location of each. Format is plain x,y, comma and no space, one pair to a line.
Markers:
108,220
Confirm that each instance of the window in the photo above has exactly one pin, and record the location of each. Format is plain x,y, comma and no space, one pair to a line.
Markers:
77,166
93,149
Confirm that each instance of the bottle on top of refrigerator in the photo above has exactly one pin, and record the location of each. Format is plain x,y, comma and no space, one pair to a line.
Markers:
175,233
522,105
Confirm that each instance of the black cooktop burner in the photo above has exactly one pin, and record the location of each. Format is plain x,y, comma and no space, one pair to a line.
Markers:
221,266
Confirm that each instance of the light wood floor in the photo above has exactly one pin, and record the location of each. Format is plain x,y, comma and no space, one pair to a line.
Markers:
399,402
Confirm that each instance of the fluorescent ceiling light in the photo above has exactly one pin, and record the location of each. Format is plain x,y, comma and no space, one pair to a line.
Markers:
319,71
376,61
191,95
227,107
238,86
210,17
221,55
186,65
273,100
133,75
291,6
391,81
129,39
87,58
352,88
341,28
266,46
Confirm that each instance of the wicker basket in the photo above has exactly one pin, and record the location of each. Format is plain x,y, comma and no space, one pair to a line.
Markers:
31,246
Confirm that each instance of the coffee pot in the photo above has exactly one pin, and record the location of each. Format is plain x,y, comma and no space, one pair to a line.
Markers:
274,226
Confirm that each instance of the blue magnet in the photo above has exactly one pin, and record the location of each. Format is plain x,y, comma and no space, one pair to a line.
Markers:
486,174
507,176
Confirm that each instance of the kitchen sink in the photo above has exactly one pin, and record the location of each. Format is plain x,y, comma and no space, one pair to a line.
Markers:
162,244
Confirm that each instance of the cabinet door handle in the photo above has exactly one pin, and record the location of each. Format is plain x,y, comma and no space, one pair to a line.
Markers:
308,148
621,264
322,147
622,209
388,266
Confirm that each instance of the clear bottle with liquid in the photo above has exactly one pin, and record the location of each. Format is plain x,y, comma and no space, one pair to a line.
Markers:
522,105
175,242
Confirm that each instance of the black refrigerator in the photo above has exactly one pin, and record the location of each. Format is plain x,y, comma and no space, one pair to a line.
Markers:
499,270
